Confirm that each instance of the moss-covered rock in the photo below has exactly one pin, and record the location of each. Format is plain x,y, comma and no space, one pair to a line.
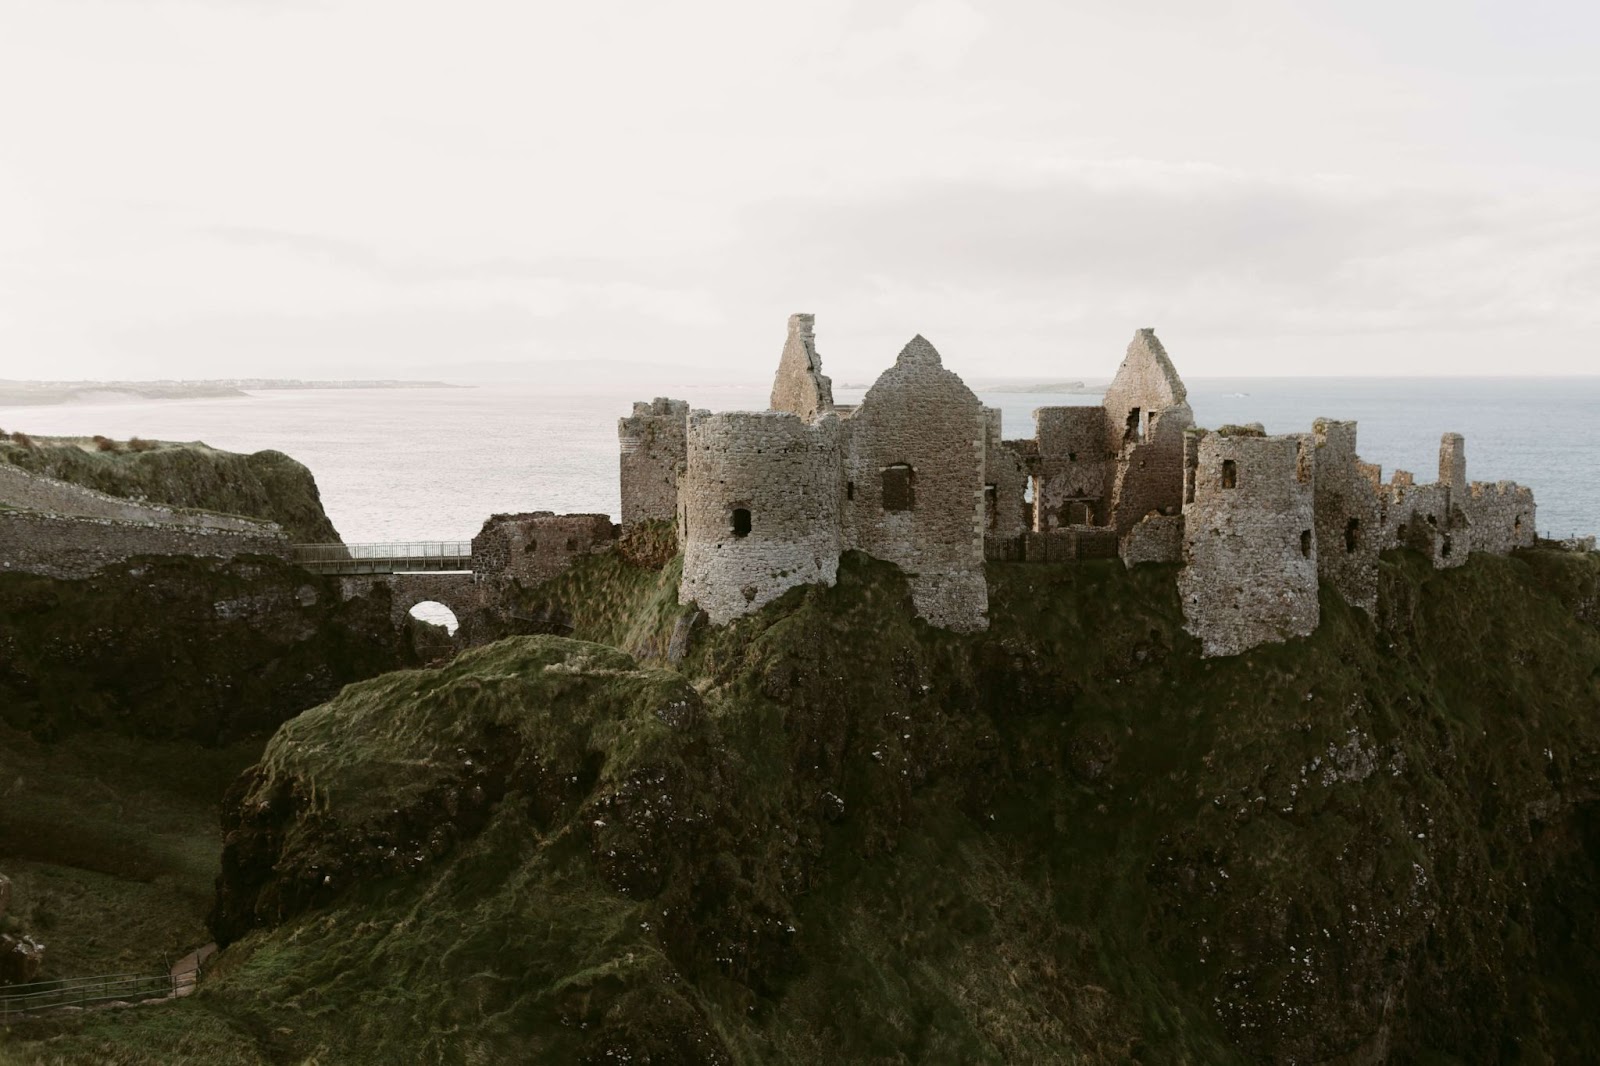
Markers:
178,647
265,484
833,833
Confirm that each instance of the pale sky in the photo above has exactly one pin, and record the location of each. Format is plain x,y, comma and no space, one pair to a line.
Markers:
345,188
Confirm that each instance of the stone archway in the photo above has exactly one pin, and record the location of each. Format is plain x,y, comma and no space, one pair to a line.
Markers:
457,592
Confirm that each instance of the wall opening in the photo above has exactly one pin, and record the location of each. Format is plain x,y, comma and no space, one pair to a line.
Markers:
1352,536
1072,457
899,487
739,521
849,490
991,507
434,613
1028,491
1134,432
1516,527
1444,548
1230,474
530,547
1305,543
1079,513
572,544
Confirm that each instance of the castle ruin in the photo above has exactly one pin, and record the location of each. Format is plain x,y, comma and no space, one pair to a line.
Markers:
918,474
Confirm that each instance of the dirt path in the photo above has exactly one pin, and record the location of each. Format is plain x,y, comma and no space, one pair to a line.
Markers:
186,971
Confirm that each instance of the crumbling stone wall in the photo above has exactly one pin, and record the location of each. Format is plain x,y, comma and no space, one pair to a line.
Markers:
535,547
1157,538
761,499
462,593
919,424
1501,516
800,386
653,454
1005,484
1074,467
1348,520
64,547
1250,552
1147,413
27,491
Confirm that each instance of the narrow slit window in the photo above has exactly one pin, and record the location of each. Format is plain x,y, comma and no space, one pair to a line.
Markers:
1305,543
1352,536
741,521
1135,426
1230,474
991,506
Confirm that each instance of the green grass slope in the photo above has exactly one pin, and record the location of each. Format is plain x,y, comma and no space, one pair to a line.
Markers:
265,484
832,833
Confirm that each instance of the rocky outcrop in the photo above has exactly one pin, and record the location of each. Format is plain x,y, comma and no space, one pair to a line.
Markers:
265,485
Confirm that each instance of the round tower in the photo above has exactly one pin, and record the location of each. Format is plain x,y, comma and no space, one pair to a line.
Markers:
760,503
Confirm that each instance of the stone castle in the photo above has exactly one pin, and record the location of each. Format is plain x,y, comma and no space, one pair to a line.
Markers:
919,474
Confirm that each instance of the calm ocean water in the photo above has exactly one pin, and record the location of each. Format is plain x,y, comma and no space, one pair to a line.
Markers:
432,464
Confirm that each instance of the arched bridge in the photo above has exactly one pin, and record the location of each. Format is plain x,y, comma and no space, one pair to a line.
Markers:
408,557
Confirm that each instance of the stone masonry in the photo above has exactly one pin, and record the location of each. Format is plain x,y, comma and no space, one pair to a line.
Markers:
1250,550
760,509
653,452
919,474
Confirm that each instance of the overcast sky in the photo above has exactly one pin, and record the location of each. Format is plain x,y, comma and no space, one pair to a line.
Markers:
341,188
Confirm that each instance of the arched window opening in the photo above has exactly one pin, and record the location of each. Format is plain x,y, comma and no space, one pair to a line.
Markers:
1230,474
1352,536
435,614
740,521
1305,543
899,487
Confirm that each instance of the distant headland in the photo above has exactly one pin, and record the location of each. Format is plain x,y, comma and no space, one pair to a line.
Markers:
47,393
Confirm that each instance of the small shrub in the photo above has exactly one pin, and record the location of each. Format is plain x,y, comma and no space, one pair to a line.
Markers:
139,444
104,444
23,439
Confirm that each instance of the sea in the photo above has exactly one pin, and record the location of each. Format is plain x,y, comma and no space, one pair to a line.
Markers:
432,464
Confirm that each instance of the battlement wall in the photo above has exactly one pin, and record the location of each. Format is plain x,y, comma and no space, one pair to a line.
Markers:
1250,551
71,547
653,442
761,497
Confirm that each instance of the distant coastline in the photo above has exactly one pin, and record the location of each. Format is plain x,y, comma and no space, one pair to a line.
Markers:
47,393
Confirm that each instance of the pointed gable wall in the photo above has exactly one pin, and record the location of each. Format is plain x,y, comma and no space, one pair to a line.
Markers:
914,484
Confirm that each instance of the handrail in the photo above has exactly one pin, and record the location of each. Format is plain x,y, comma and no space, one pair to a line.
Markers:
375,558
84,992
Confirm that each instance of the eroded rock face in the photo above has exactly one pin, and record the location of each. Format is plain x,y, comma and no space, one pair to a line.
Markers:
21,959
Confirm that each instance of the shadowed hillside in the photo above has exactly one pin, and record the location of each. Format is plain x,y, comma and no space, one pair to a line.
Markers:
832,833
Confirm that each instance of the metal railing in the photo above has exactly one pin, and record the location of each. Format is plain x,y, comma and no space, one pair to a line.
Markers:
405,557
17,1000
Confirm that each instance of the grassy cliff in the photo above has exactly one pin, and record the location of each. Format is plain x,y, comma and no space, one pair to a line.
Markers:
266,484
832,833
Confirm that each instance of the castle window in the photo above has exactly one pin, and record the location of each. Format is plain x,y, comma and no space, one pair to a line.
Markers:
849,490
1072,457
1305,543
531,547
1444,548
740,521
1352,536
572,544
1230,474
899,491
1135,429
991,506
1078,513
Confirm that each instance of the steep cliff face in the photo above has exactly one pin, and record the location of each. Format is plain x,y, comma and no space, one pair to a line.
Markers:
265,484
835,834
183,648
